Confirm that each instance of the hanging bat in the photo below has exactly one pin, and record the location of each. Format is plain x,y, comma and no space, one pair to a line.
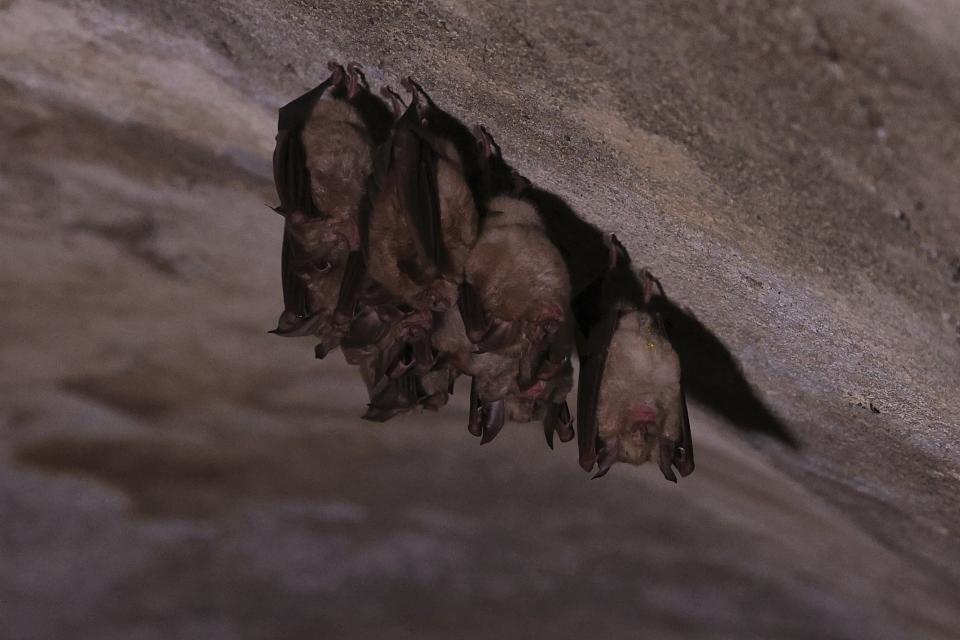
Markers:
423,220
630,403
514,304
322,163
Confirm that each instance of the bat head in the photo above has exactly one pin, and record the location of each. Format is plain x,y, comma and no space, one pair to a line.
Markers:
640,437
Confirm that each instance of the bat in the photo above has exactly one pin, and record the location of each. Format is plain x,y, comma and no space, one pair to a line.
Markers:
423,220
416,236
514,305
630,403
322,163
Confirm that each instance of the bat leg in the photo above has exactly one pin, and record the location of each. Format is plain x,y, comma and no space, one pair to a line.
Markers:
493,416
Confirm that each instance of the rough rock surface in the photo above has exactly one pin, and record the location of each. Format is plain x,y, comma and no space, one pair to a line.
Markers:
791,170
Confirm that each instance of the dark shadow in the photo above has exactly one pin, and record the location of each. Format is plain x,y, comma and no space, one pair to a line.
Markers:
711,374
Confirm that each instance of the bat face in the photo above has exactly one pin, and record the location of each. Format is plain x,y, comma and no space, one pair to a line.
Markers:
639,404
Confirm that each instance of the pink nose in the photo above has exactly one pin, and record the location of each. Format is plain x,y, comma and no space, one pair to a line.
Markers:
643,413
536,390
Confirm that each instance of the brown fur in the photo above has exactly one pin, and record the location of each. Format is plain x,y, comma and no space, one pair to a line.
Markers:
516,269
641,369
339,157
520,277
391,236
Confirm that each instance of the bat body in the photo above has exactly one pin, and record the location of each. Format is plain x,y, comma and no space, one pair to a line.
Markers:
631,404
515,310
417,235
322,164
423,220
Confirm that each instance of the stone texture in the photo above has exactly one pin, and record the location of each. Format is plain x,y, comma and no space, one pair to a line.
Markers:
791,171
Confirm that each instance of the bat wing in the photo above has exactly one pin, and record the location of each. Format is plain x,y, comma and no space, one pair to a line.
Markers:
350,287
296,299
682,455
290,172
593,360
415,163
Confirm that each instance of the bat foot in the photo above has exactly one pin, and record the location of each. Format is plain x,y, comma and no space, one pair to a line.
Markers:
358,81
488,147
337,73
419,97
396,102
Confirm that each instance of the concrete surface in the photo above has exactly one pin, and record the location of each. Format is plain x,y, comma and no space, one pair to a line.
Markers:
791,170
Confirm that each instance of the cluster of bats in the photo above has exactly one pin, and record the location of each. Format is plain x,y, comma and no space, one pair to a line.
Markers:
411,245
